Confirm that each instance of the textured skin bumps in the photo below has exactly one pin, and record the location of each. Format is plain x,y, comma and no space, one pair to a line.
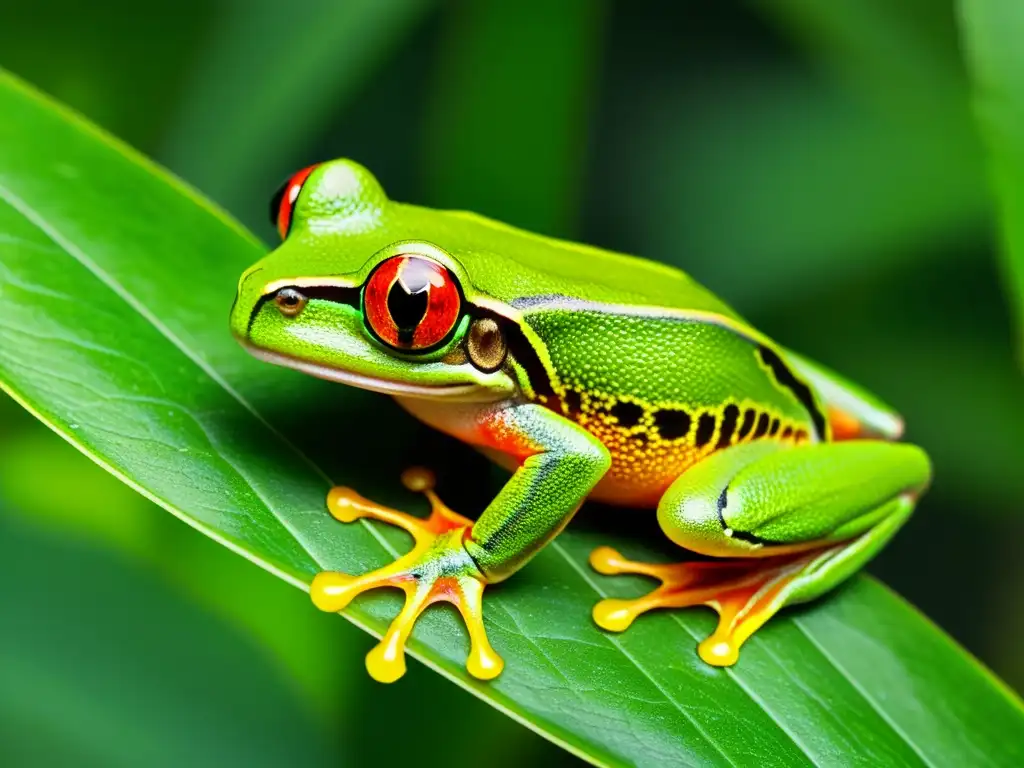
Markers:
589,374
660,414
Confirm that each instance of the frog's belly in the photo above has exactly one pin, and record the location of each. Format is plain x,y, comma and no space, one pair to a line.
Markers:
647,456
645,462
631,481
639,478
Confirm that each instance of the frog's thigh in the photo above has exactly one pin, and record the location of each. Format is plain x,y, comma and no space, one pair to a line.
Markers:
794,523
765,499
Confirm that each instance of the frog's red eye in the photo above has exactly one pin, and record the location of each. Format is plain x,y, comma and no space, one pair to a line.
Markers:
411,303
283,202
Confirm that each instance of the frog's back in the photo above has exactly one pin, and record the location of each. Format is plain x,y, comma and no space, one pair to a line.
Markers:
639,354
657,367
551,267
664,389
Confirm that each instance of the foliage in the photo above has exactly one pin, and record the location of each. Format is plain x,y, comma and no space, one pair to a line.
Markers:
815,163
100,254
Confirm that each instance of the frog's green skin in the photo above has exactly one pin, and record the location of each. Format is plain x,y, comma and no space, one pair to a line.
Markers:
624,380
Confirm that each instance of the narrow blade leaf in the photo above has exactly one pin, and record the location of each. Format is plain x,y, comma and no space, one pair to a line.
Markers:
992,32
116,282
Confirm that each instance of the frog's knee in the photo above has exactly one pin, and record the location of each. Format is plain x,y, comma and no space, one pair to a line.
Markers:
695,522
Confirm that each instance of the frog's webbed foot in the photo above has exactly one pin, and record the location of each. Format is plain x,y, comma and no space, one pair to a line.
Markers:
744,592
438,568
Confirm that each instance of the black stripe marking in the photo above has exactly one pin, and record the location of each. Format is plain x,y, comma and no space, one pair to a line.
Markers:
784,376
520,349
336,294
349,296
705,429
762,426
729,417
748,423
750,538
573,401
537,480
672,423
627,414
255,311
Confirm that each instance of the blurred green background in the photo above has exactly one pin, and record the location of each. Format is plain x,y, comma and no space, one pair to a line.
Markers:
815,163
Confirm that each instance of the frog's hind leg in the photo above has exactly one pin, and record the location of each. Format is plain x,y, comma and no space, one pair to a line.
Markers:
745,593
793,524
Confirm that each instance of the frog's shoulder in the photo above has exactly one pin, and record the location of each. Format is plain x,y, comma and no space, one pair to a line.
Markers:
547,266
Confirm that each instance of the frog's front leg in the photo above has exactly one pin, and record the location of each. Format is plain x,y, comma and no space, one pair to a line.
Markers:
794,523
453,558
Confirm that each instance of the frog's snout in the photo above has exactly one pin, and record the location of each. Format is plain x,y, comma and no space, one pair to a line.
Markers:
246,298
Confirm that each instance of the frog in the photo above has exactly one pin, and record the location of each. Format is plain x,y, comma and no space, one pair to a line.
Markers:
586,374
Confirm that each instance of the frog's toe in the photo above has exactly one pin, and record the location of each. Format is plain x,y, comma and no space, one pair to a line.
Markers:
614,615
347,506
745,593
437,569
617,615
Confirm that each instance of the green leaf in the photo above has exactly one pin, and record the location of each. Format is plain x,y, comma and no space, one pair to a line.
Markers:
314,649
124,667
115,282
992,32
105,512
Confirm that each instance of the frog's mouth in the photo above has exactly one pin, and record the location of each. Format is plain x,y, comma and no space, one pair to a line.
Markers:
371,383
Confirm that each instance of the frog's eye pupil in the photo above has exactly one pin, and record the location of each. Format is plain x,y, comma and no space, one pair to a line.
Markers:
407,309
411,303
282,204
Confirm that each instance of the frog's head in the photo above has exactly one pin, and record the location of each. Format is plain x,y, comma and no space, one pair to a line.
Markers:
341,300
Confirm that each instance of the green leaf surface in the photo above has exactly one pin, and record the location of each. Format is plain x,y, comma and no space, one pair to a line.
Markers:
116,282
104,512
313,650
124,668
992,34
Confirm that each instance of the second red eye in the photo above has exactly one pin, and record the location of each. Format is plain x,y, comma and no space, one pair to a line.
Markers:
411,303
282,205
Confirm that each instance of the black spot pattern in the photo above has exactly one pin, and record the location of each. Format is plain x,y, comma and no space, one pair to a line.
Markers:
762,426
672,423
627,414
803,393
705,429
749,416
573,401
729,418
774,428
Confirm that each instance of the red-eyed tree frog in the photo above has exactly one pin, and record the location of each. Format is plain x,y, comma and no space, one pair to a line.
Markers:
589,374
